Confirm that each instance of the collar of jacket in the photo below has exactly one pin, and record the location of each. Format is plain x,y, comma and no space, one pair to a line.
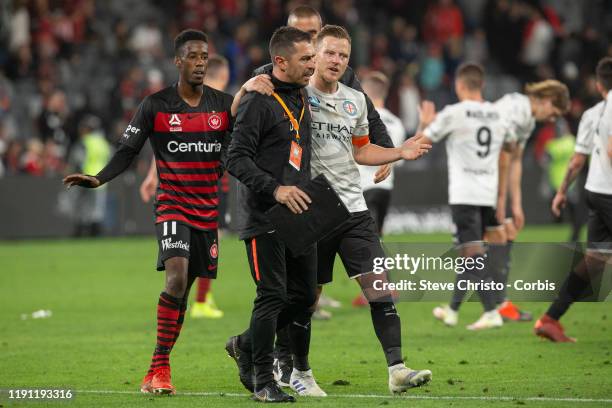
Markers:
280,86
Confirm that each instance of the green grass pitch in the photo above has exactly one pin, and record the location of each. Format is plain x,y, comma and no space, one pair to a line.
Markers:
99,340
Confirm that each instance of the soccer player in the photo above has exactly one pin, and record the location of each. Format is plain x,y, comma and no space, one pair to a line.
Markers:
543,101
475,134
188,127
340,137
378,195
270,155
594,139
217,77
308,19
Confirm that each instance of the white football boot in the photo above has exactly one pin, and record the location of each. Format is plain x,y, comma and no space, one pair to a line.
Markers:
304,384
488,320
447,315
401,378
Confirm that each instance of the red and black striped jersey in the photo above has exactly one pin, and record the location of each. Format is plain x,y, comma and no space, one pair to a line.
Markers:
188,143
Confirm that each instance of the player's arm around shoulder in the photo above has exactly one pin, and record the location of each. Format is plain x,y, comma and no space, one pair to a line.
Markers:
261,83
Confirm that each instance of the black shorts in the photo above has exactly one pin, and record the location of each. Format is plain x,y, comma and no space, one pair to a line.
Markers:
471,222
599,230
199,247
357,243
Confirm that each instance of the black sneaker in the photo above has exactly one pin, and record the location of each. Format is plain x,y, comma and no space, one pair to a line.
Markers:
272,393
243,361
282,371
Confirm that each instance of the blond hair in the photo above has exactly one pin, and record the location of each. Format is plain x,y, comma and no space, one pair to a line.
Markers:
333,31
551,89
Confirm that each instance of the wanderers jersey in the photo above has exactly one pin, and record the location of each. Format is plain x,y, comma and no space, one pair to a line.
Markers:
515,108
475,133
187,143
339,120
592,139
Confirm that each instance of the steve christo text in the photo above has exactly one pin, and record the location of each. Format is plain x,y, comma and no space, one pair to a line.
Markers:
464,284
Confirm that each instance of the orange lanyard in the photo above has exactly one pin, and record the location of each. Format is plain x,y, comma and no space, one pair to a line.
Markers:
295,123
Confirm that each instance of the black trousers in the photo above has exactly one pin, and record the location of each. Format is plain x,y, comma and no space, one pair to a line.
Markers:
286,290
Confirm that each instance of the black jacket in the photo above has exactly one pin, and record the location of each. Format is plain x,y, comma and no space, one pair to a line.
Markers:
258,154
378,131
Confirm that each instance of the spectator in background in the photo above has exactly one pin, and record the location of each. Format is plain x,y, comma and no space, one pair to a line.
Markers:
89,156
53,122
409,101
538,37
12,157
146,40
443,21
31,161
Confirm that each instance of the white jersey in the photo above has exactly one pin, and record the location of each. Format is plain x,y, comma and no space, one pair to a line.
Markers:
475,133
339,120
396,131
516,110
593,131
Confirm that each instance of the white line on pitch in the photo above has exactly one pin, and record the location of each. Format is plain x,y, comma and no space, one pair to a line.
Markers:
415,397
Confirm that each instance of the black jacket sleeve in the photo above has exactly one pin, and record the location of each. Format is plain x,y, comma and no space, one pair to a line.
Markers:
378,131
248,129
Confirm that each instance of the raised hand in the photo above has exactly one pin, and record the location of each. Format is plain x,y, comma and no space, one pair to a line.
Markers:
414,147
427,114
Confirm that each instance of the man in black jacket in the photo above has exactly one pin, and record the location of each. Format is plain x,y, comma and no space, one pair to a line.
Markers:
308,19
270,156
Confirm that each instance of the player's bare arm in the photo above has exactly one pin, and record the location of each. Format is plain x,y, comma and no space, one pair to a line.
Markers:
149,184
515,172
372,155
260,83
573,169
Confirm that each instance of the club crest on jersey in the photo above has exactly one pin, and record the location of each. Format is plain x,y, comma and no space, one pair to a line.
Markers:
214,251
214,121
175,123
349,107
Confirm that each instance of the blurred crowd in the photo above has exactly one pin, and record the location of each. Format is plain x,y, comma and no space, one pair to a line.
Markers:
67,64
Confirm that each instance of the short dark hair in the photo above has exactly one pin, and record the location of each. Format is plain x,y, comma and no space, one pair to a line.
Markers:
188,35
215,63
471,74
604,72
333,31
304,11
284,39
